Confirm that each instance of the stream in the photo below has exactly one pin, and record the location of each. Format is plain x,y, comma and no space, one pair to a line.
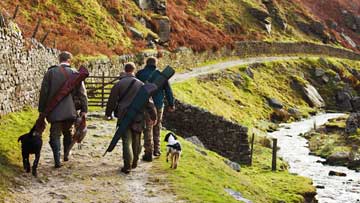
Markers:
294,149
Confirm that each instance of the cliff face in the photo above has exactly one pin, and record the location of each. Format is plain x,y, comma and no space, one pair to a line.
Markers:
125,26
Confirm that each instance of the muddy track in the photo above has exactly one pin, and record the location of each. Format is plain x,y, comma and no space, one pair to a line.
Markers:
90,177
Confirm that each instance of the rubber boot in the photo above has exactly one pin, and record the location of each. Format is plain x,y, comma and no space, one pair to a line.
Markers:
55,146
67,142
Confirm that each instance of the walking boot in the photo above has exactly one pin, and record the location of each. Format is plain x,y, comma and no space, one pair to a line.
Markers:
56,152
157,153
66,143
147,157
134,164
125,170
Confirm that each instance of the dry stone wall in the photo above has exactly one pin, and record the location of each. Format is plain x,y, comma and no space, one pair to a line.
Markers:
184,58
21,69
216,133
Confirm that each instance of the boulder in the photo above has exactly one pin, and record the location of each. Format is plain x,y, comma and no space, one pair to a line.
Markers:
338,158
335,173
325,78
352,123
355,102
275,13
196,141
267,25
343,100
274,103
249,72
317,27
163,29
136,33
158,6
313,96
279,115
319,72
143,4
294,112
233,165
351,20
348,40
260,15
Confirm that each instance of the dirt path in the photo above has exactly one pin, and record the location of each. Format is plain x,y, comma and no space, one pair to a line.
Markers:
89,177
224,65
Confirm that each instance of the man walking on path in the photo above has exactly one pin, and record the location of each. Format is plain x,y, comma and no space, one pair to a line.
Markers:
152,132
62,117
122,94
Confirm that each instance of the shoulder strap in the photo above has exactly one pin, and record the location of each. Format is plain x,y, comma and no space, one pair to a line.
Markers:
127,90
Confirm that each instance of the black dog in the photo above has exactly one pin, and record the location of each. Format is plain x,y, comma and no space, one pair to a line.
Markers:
31,143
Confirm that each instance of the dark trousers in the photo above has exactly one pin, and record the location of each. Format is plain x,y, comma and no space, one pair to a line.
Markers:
152,134
131,142
56,129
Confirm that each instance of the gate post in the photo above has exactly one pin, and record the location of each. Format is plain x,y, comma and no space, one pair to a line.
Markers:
102,90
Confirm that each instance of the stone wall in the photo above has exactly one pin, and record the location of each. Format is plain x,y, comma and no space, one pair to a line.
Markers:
249,49
216,133
184,58
21,69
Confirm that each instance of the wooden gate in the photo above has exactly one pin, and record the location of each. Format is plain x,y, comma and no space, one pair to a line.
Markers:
99,88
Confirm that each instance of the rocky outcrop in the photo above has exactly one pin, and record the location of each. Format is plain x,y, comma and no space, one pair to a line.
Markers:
351,20
338,158
158,6
196,141
263,17
313,97
314,28
343,100
352,123
274,103
275,13
216,133
163,28
349,40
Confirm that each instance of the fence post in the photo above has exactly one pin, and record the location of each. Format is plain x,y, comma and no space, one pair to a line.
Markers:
252,148
36,28
102,90
16,12
2,20
274,150
44,38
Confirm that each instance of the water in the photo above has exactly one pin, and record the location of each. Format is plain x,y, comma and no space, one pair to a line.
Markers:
294,149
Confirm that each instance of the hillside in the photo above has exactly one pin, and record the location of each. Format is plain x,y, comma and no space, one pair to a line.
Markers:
121,26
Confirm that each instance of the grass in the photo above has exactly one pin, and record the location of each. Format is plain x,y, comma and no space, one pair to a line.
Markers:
12,126
237,97
201,178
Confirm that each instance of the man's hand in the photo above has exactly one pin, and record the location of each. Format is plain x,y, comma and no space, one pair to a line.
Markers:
171,108
108,118
152,122
83,114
